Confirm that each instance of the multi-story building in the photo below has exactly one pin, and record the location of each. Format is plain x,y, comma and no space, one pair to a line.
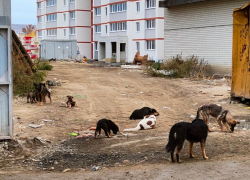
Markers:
62,20
107,30
123,27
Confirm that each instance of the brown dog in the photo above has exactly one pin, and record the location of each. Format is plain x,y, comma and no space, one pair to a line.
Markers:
221,115
70,103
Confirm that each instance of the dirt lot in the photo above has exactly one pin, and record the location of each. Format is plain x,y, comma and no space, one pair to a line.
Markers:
113,93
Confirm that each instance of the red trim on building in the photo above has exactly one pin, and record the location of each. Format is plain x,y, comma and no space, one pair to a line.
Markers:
65,27
64,12
92,49
149,39
144,19
83,42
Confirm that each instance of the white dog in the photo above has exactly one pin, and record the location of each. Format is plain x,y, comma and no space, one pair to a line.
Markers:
148,122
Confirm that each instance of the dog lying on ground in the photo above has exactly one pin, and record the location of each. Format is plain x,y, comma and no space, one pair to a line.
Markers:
221,115
193,132
106,125
70,103
52,59
42,91
148,122
141,113
31,97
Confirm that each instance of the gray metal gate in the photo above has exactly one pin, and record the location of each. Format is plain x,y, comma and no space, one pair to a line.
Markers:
6,127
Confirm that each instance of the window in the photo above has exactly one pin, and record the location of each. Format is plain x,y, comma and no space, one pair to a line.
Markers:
150,45
64,32
150,24
118,7
73,15
64,2
51,32
98,29
64,17
39,5
39,19
106,29
150,3
96,46
138,7
137,46
51,2
71,1
137,26
51,17
72,31
122,26
106,11
98,11
39,33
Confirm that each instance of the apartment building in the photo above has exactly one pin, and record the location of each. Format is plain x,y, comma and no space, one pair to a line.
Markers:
61,22
123,27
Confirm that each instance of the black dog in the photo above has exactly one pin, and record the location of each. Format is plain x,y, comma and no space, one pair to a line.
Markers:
193,132
106,125
140,113
70,103
31,97
42,91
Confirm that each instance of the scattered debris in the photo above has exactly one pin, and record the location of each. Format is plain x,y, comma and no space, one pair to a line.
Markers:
192,116
127,86
141,92
95,168
218,95
166,107
181,120
66,170
46,120
74,134
36,126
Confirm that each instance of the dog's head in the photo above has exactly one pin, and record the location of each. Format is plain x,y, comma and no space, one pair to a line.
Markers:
154,112
37,86
70,98
115,129
233,123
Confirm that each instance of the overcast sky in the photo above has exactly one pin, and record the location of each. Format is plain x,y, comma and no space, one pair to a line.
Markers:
23,12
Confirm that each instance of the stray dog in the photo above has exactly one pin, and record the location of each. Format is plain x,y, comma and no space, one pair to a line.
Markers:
149,122
52,59
106,125
70,103
31,97
42,91
140,113
222,116
49,83
193,132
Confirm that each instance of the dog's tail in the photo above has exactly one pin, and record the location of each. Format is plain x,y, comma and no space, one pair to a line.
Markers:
198,113
133,129
172,139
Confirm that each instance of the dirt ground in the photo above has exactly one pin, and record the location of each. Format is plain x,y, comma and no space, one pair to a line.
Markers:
113,93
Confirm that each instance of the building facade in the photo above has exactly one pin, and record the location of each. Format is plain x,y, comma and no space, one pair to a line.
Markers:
62,20
202,28
123,27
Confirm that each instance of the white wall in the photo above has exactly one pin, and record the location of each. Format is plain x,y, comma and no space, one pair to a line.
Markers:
203,29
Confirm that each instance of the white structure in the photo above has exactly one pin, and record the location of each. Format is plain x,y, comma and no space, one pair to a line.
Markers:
202,29
6,121
121,28
65,19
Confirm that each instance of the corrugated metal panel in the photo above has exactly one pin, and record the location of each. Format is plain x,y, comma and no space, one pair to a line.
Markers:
202,29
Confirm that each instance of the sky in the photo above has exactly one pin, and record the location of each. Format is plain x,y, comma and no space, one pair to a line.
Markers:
23,12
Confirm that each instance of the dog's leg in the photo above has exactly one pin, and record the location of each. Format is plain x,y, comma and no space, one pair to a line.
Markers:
172,156
76,105
203,142
179,148
219,122
96,133
50,98
191,149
